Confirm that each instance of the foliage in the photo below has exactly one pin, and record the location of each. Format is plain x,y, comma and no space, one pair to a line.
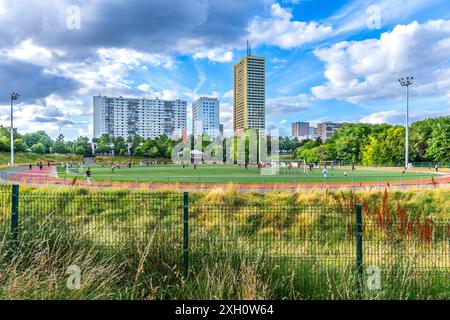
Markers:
383,144
38,148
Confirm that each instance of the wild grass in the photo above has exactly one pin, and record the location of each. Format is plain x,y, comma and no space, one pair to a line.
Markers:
28,157
242,246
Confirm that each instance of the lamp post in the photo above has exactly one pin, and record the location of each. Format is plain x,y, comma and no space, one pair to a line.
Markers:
14,96
406,82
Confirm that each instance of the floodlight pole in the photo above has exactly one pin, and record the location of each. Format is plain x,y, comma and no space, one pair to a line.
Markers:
407,129
14,96
406,82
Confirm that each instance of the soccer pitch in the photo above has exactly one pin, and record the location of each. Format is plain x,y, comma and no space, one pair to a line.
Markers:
222,174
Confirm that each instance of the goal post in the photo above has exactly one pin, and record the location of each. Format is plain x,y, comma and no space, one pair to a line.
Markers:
328,164
287,165
74,168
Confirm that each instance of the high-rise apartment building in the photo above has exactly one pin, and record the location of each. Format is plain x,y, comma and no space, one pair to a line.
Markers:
300,130
326,130
148,118
249,93
206,117
312,133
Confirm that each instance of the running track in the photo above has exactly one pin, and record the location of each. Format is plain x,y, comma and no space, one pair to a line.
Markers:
47,176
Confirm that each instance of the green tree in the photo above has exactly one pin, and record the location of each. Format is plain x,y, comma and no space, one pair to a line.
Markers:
385,148
82,146
19,145
38,137
60,145
439,141
38,148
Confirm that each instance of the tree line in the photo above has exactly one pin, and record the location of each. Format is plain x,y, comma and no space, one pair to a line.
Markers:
41,143
383,144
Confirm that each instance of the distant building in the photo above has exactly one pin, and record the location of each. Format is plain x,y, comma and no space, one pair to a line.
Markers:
206,117
249,93
221,129
326,130
148,118
312,133
300,130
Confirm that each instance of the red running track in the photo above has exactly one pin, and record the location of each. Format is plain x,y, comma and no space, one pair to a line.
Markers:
38,176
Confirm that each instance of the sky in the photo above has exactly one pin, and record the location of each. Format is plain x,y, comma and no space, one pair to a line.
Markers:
325,60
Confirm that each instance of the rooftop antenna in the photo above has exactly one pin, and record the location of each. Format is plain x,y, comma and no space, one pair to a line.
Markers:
249,50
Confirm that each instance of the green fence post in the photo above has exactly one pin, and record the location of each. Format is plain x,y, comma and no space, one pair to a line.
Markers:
15,212
359,246
186,232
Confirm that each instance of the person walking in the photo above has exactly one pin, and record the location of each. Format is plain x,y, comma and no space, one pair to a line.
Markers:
88,175
325,172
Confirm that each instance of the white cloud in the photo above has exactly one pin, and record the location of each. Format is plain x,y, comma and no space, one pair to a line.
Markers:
144,87
280,30
216,55
28,51
288,104
2,8
355,16
229,94
364,70
397,118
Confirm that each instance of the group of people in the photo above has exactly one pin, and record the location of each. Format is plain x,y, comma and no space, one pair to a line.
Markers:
436,167
39,164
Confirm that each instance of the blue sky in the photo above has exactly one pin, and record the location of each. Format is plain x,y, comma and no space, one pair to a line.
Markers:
326,60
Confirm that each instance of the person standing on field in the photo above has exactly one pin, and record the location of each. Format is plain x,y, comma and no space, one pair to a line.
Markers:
325,172
88,175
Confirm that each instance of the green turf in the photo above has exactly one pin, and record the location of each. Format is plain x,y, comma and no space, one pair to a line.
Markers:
238,174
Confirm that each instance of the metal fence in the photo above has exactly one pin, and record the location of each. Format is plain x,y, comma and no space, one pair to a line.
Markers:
312,239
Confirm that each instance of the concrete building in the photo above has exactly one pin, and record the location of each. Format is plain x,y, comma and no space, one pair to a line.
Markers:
326,130
312,133
249,93
148,118
206,117
300,130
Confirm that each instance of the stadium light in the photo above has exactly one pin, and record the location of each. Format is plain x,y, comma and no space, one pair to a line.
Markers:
406,82
14,96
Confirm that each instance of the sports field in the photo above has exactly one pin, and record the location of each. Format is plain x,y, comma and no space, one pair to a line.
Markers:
222,174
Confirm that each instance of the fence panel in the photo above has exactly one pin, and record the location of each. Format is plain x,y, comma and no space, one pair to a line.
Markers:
117,222
5,210
306,240
315,243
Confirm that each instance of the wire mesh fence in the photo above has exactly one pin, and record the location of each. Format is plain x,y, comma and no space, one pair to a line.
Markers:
313,240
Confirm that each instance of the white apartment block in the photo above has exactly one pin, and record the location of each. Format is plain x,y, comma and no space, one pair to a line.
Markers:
326,130
148,118
206,117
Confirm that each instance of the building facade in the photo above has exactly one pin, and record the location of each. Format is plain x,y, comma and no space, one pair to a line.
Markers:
148,118
206,117
249,94
300,130
312,133
326,130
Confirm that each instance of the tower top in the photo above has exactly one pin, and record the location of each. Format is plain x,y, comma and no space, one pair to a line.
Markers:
249,50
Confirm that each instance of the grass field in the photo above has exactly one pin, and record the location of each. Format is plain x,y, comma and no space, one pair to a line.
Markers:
128,245
28,157
219,174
